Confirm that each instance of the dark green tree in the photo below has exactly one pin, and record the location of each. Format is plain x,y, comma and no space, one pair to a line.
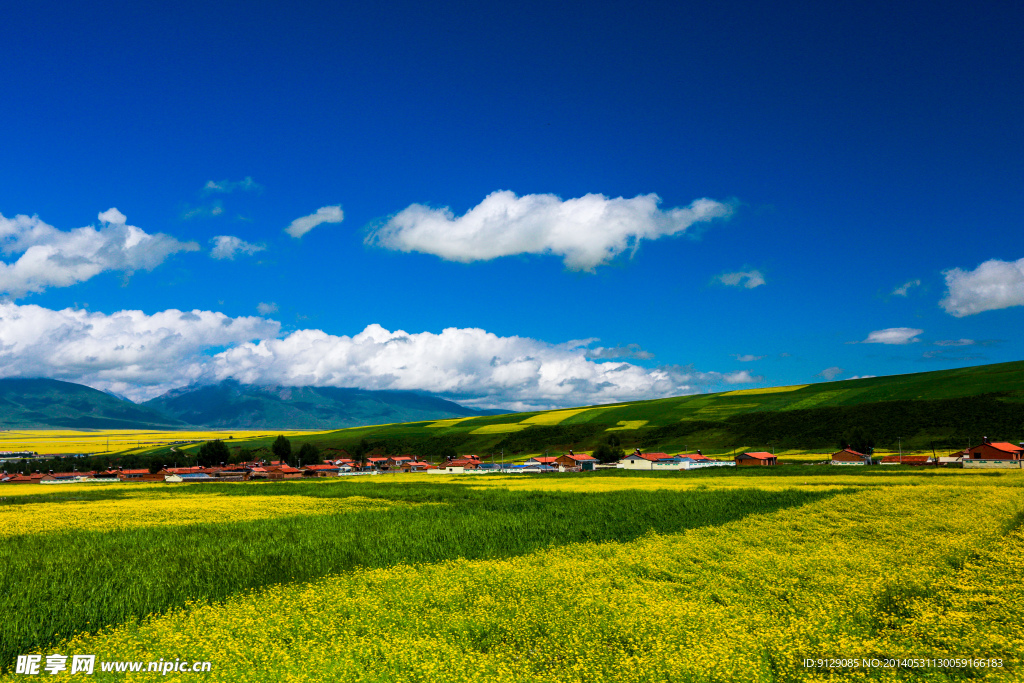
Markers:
213,453
859,440
282,448
613,440
310,454
607,453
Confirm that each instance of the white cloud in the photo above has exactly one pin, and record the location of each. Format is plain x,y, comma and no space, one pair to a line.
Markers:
127,352
992,285
747,357
53,258
863,376
750,279
226,186
955,342
627,351
266,308
227,246
831,373
586,232
142,356
893,335
325,214
902,289
209,211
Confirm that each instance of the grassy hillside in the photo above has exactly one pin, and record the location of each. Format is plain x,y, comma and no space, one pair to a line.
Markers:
49,403
943,409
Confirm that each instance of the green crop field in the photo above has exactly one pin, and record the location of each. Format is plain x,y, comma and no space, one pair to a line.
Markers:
733,575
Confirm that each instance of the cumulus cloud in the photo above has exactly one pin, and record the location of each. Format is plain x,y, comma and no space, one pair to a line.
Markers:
54,258
227,247
863,376
266,308
142,356
586,232
325,214
227,186
747,357
127,352
750,279
893,335
992,285
905,287
831,373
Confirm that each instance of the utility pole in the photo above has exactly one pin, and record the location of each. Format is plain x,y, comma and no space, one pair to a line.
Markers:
899,440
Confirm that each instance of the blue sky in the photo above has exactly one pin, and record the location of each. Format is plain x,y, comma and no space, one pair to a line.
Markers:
826,176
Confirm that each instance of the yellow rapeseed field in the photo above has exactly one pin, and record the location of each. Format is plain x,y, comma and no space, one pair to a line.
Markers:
153,508
554,417
627,424
766,390
53,441
874,571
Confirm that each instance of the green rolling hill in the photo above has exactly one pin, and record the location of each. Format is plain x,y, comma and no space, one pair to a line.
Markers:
52,404
941,409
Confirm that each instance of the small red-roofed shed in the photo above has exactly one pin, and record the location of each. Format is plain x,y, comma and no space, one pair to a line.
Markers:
756,459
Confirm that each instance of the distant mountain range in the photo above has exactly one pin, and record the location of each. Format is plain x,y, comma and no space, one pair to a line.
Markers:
48,403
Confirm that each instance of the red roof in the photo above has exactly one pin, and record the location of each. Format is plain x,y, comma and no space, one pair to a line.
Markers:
376,459
908,459
320,467
760,455
694,456
545,458
397,458
581,456
288,469
1004,446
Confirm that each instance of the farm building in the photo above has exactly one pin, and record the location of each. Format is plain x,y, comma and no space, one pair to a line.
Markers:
848,456
321,470
994,455
283,472
575,460
549,460
756,459
995,450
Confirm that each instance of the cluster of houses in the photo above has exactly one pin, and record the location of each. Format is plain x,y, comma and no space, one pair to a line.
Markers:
986,455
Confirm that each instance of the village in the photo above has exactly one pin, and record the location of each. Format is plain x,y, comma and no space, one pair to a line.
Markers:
986,455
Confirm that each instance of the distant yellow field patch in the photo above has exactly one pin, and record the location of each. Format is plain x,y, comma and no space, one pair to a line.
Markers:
766,390
627,424
553,418
150,507
451,422
55,441
500,429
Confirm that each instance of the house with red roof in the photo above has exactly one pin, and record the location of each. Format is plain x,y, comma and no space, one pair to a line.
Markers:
283,472
576,461
642,461
548,460
321,470
416,466
848,456
756,459
994,455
